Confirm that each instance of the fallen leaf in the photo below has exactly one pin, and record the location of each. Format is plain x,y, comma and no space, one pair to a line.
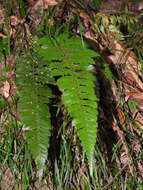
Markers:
140,168
6,89
14,20
121,116
2,15
7,179
2,35
135,95
48,3
12,33
37,5
136,146
124,159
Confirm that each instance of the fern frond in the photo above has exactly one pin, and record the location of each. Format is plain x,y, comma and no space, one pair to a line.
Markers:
111,23
70,60
33,110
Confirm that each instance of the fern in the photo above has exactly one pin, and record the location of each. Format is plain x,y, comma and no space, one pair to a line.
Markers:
105,23
70,61
33,109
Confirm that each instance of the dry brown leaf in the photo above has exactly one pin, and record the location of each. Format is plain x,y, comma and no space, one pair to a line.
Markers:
7,180
140,168
5,90
124,159
14,20
119,132
121,116
135,95
36,6
13,90
2,35
2,15
136,146
12,33
110,6
48,3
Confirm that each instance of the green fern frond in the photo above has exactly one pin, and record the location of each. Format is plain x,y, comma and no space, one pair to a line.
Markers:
70,60
33,110
111,23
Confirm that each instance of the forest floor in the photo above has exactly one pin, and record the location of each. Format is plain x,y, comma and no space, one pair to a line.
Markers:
118,162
